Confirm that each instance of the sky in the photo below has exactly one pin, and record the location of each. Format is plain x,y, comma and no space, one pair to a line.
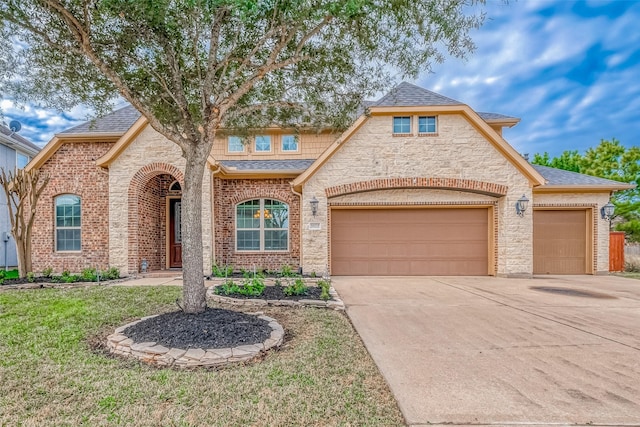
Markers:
570,70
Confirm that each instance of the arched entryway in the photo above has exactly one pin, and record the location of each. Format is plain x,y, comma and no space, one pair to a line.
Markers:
155,195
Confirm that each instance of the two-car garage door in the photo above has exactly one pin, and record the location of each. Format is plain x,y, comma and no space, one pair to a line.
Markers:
434,241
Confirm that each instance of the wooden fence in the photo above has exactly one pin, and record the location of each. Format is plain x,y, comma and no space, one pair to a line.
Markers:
616,251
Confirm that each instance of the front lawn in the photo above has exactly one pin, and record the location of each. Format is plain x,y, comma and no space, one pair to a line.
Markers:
53,372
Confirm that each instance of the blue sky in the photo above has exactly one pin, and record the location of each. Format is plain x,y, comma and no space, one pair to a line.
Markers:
570,70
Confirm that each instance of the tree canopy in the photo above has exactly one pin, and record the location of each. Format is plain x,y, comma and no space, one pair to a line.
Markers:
610,160
192,67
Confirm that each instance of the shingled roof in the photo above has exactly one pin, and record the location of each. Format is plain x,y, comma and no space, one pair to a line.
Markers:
562,177
118,121
495,116
408,95
267,165
19,140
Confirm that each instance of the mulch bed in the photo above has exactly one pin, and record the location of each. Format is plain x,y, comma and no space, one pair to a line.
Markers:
275,293
212,328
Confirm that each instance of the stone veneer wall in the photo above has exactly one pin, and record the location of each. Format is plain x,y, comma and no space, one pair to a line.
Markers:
227,194
458,151
600,228
149,155
73,171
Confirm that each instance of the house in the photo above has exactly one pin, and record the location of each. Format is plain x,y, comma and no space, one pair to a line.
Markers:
15,152
419,185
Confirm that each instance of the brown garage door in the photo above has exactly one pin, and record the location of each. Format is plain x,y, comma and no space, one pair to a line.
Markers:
560,242
390,242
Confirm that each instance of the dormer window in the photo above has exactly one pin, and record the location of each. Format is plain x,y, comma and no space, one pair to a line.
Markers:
235,144
402,125
263,143
427,124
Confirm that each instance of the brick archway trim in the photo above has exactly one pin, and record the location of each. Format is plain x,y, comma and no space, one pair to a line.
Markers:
251,194
137,182
467,185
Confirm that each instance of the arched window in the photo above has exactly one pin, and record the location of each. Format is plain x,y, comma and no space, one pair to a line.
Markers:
68,217
175,187
262,225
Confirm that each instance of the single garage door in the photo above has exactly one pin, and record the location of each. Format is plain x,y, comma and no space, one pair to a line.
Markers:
397,242
560,242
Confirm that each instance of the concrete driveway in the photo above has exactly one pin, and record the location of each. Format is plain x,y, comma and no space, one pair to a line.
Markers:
494,351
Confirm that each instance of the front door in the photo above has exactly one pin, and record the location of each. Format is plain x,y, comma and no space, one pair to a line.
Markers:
175,233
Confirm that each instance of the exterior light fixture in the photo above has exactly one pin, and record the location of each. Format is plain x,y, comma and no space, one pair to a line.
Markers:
314,206
606,212
521,205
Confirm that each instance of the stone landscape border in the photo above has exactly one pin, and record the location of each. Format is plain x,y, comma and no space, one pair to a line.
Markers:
334,303
159,355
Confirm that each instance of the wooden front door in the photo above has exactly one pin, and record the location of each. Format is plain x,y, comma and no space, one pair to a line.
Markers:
175,233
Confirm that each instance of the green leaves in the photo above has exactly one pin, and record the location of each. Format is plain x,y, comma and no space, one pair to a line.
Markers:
177,61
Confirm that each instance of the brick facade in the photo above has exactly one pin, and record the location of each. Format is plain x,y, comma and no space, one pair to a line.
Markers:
147,225
227,194
73,171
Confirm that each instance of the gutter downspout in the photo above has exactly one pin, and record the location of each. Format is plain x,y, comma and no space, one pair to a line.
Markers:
293,190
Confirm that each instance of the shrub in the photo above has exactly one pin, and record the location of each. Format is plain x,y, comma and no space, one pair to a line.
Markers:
67,277
288,271
252,287
324,289
298,288
249,287
89,275
227,288
47,272
110,274
31,277
222,270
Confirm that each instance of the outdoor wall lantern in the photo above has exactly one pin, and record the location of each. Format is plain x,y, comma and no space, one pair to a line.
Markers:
606,212
521,205
314,206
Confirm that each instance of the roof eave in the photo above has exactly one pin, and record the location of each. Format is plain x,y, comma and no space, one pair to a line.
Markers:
122,142
502,122
90,136
562,188
257,173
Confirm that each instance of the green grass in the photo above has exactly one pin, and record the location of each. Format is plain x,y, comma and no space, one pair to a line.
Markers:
54,371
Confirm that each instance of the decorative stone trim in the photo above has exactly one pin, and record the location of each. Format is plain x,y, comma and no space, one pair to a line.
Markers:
159,355
468,185
335,303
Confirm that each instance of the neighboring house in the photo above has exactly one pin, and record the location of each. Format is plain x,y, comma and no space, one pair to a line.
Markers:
15,153
419,185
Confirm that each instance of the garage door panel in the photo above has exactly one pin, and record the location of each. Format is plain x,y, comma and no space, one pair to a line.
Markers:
560,244
409,241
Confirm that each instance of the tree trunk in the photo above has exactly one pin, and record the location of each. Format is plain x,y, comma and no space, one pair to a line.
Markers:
194,292
22,262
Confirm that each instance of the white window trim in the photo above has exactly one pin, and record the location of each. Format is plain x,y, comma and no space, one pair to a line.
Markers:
261,229
297,139
229,146
435,132
393,130
56,227
255,144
